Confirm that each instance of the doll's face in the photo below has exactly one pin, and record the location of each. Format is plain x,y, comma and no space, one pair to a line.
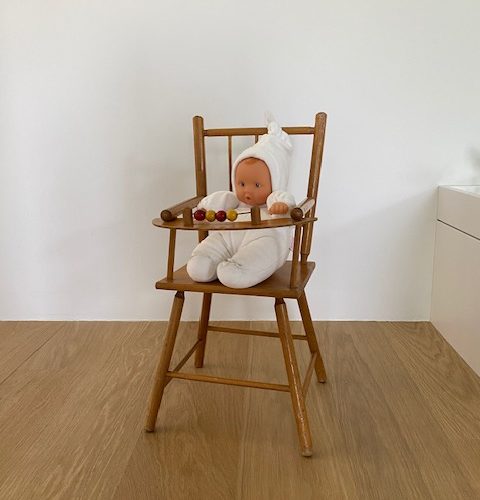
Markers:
252,181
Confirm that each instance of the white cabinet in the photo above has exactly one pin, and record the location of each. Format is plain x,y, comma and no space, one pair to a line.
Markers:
456,273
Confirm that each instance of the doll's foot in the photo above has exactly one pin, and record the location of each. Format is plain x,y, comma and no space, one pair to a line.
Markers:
201,268
234,275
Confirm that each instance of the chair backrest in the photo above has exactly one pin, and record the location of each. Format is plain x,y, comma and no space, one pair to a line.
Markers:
318,132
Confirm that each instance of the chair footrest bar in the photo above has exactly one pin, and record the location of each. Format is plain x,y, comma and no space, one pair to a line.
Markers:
308,374
227,381
261,333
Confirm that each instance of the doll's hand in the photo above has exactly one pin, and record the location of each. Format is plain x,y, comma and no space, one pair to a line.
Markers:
219,200
278,208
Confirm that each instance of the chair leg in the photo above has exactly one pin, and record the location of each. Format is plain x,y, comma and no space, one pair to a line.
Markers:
298,400
202,329
311,337
164,361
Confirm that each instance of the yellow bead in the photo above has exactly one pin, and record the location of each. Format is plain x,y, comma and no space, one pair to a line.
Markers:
232,215
210,215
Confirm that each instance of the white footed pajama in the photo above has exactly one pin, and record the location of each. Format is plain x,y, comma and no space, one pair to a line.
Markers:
241,259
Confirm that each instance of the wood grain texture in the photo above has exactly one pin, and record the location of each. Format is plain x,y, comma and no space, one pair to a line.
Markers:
398,418
19,340
69,417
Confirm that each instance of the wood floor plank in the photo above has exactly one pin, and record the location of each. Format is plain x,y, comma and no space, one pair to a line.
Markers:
20,339
70,418
450,388
194,453
357,451
272,466
432,453
398,417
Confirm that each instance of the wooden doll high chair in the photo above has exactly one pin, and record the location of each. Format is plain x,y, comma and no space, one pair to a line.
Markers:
287,282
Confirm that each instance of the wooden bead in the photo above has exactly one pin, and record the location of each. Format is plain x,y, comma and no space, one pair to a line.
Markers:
199,214
296,214
232,215
210,215
167,215
221,215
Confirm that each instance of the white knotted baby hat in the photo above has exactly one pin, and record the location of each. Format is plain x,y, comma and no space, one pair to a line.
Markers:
275,149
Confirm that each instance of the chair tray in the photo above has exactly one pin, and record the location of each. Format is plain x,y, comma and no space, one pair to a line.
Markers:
231,226
277,285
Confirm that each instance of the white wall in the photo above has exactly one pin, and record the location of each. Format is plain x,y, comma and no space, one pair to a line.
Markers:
96,100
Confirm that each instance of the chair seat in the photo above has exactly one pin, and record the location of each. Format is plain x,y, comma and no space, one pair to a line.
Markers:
277,285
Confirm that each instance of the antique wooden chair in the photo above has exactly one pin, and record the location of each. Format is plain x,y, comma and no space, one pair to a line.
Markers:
288,282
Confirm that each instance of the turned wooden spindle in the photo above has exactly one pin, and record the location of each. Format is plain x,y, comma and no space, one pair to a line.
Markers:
255,215
187,217
171,254
230,162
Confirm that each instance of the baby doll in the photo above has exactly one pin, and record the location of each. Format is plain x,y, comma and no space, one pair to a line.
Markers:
241,259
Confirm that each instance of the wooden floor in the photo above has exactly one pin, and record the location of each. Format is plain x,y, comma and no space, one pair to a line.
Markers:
399,417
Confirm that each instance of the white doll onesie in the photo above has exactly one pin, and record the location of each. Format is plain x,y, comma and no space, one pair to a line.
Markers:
240,259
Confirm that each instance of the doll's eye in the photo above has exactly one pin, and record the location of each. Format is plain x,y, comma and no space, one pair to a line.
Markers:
242,184
257,184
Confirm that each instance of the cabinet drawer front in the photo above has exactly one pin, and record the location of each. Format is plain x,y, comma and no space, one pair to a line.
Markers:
459,209
456,292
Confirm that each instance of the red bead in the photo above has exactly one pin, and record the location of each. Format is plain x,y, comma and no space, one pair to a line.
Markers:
199,215
221,215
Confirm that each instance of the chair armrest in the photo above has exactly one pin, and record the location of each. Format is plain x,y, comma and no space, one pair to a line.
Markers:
171,213
298,213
